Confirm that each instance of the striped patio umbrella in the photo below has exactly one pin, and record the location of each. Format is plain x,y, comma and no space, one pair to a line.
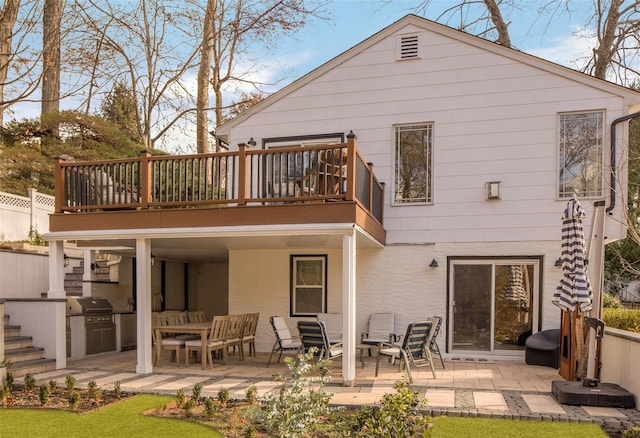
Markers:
574,288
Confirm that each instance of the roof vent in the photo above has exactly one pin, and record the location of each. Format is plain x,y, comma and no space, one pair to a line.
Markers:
409,47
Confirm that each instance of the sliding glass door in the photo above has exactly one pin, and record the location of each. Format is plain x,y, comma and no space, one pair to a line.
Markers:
492,304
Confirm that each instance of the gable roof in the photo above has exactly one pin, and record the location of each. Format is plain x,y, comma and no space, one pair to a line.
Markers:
448,32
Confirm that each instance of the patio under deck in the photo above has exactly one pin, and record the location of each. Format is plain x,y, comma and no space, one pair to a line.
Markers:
470,388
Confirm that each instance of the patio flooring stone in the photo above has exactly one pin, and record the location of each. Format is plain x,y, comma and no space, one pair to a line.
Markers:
496,388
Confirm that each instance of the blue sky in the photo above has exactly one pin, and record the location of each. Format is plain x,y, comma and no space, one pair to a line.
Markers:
353,21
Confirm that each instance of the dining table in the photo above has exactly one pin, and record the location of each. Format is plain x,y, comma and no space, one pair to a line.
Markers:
201,328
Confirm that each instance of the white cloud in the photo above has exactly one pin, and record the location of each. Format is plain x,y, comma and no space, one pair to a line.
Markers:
572,50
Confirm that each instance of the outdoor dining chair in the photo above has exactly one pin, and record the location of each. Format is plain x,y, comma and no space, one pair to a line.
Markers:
314,334
333,324
413,350
380,330
284,340
233,335
197,316
249,333
215,342
167,342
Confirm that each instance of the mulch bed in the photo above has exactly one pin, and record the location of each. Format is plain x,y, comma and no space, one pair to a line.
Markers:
22,397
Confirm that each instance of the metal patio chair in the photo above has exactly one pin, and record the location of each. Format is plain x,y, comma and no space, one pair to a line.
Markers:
314,334
284,340
413,350
433,345
380,330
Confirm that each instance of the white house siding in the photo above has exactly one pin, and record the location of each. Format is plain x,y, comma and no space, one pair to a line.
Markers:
494,119
395,279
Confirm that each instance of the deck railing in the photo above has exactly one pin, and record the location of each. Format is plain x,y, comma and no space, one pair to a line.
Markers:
312,174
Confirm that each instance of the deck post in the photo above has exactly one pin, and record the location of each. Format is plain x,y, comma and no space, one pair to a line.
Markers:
351,166
59,185
144,364
243,175
349,309
56,292
145,179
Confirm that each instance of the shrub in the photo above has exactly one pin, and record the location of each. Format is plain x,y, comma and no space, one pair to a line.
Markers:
634,432
252,394
116,389
70,383
74,399
297,406
623,319
53,384
610,302
223,396
397,416
29,381
45,394
95,393
188,406
195,394
8,381
209,407
180,398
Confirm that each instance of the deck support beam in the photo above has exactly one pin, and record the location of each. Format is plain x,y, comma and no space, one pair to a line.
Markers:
349,309
144,364
56,292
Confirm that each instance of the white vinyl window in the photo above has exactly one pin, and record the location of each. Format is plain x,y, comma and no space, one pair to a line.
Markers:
308,285
581,148
413,164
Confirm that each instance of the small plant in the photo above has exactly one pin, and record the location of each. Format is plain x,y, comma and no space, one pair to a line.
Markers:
45,394
397,416
74,399
223,396
117,391
29,381
188,406
297,406
70,383
209,407
180,398
252,394
610,302
195,393
634,432
94,392
5,394
53,384
8,381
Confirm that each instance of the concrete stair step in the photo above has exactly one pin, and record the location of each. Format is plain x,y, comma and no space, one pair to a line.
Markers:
24,354
11,330
17,342
37,366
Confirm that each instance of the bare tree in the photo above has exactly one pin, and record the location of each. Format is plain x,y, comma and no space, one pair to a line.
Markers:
235,24
202,100
52,19
19,75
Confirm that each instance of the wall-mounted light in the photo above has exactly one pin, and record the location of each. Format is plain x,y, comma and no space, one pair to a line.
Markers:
493,189
558,262
66,260
153,260
252,143
433,264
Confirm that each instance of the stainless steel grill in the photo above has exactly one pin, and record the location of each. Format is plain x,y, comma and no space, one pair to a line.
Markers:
100,328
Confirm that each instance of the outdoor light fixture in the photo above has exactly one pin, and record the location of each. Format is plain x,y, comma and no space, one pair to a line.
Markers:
493,189
558,262
66,260
252,143
433,264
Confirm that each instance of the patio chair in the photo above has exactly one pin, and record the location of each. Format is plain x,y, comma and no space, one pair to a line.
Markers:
381,326
314,334
214,343
413,350
284,340
333,323
249,333
233,335
197,316
435,329
167,342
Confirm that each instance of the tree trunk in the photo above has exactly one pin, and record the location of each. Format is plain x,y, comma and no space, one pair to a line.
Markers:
51,56
498,22
8,17
202,100
603,54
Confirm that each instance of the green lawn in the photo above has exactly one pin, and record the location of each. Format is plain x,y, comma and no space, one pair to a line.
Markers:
122,419
488,428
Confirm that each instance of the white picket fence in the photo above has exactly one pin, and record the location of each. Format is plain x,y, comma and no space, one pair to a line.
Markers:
21,214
